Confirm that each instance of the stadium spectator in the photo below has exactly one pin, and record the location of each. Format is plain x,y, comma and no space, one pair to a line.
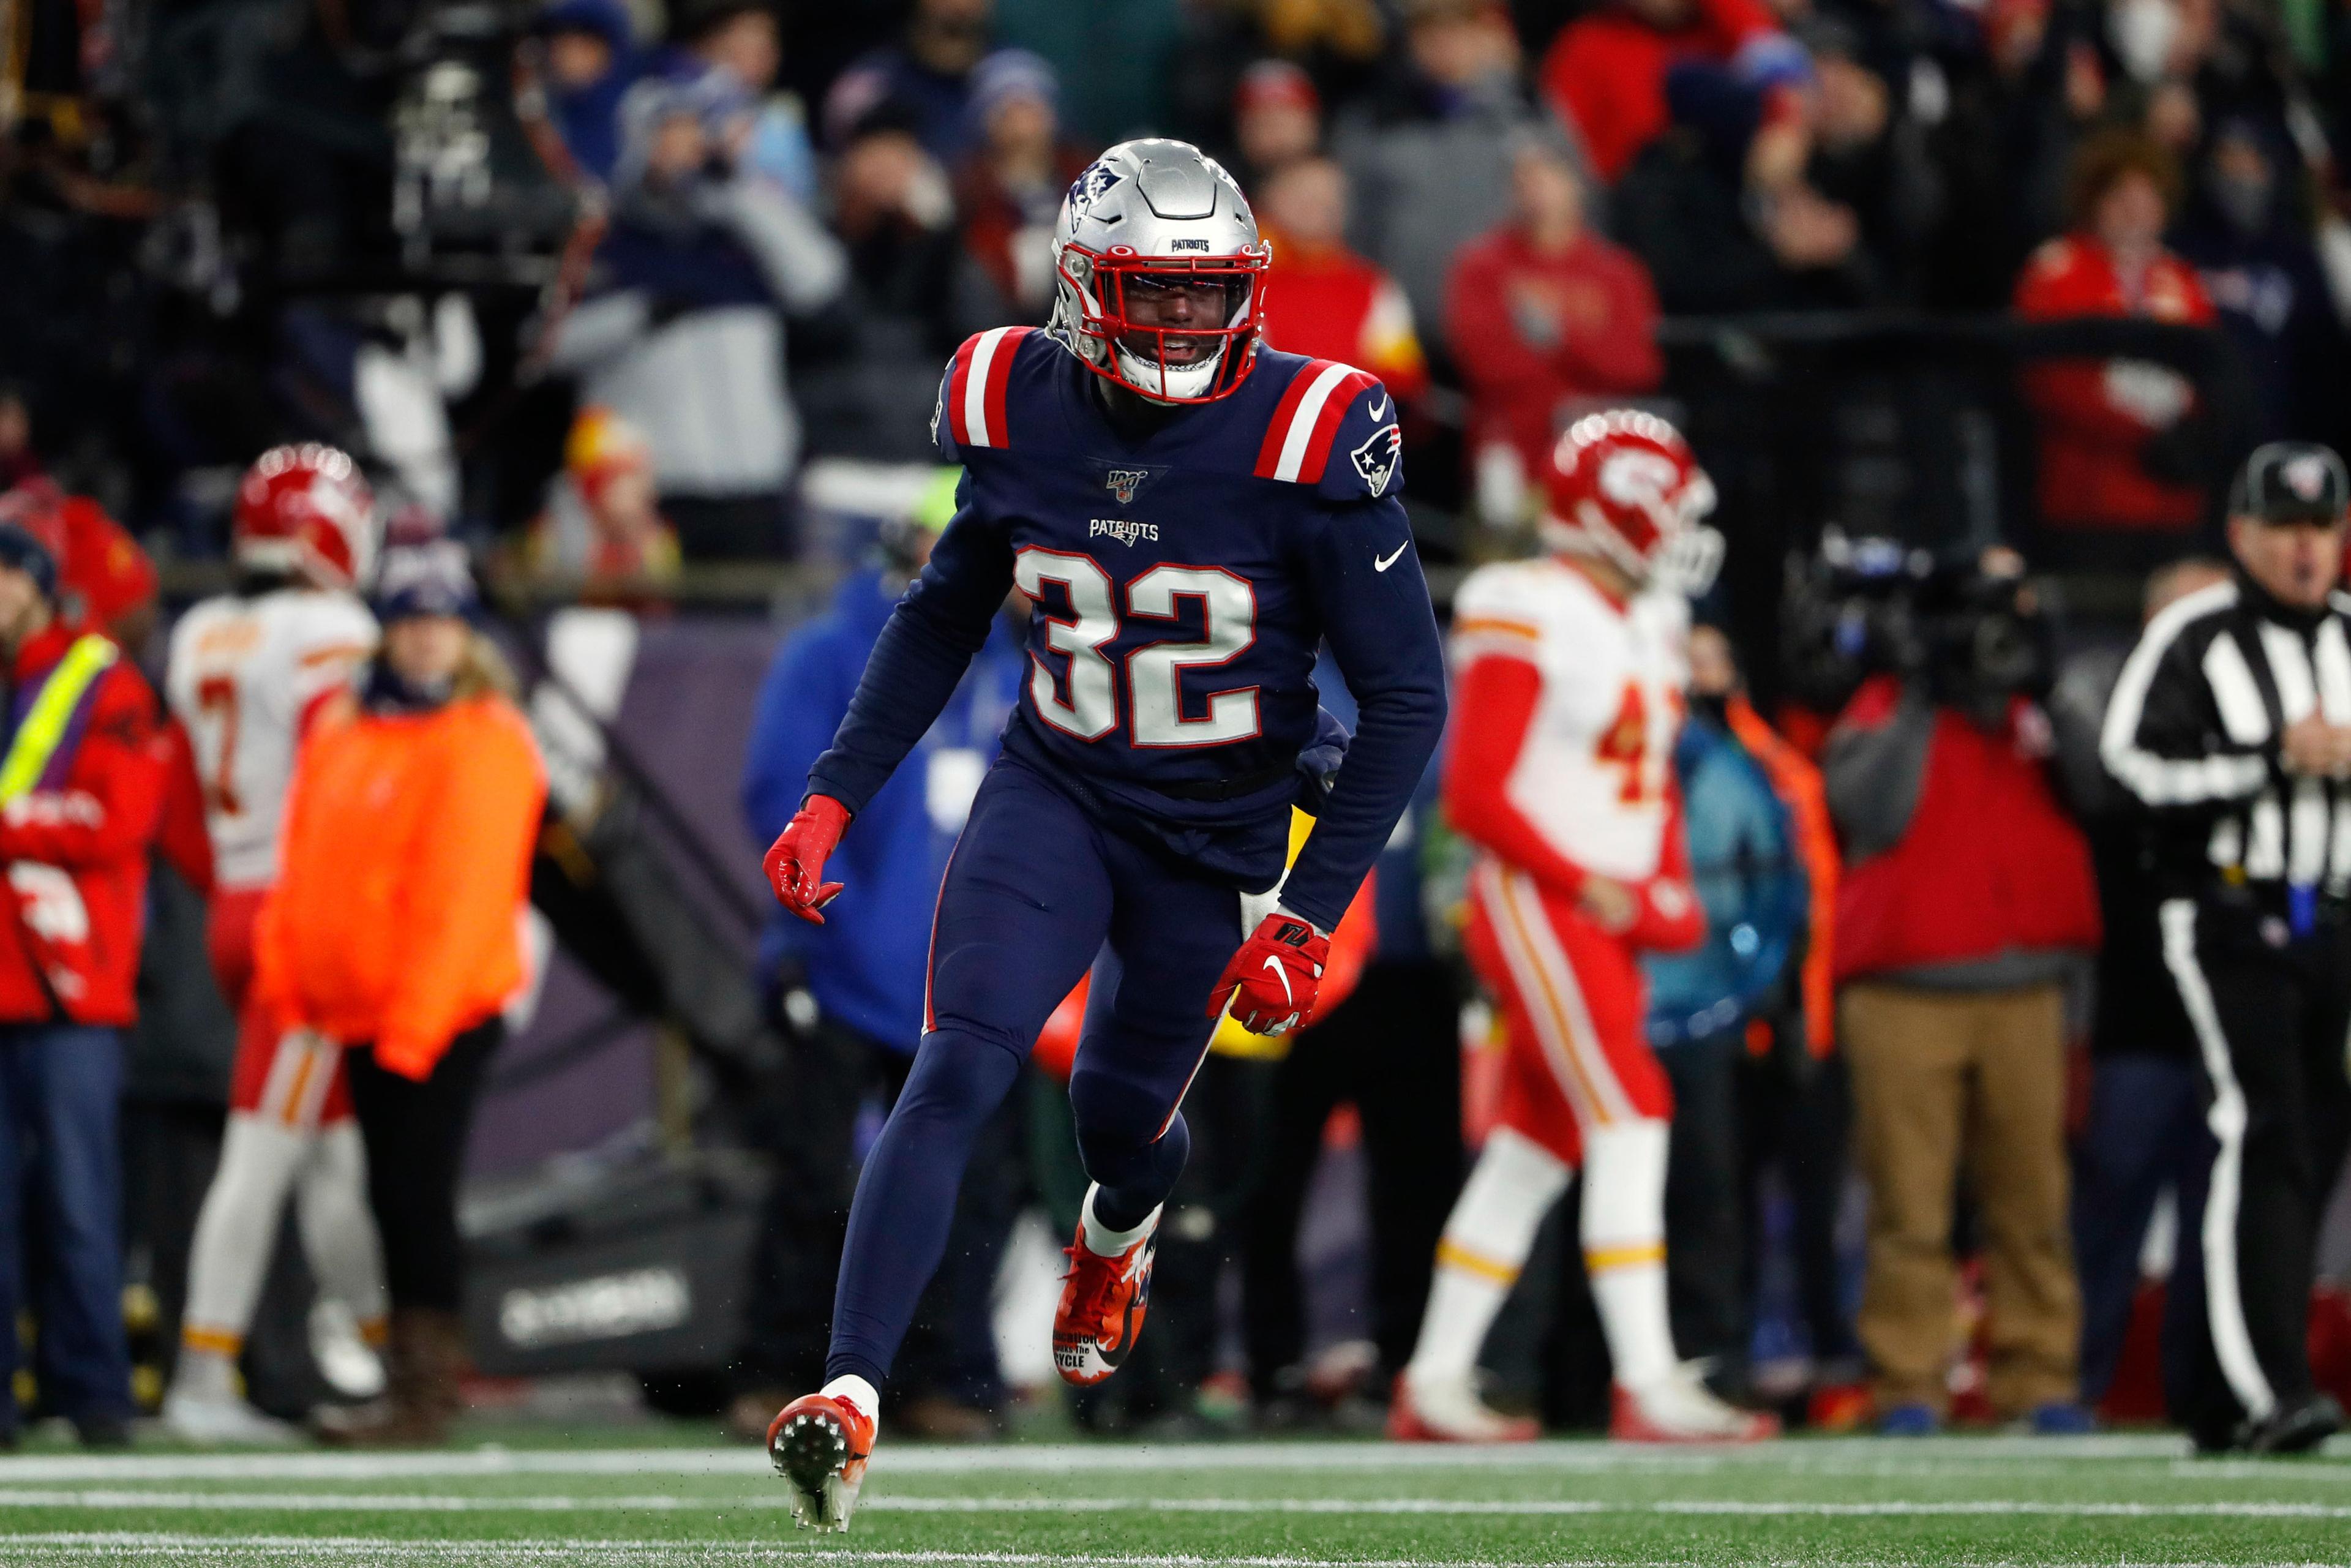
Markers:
1428,159
925,77
2242,232
1706,1004
590,60
1605,72
1720,209
395,934
1869,155
1323,300
1010,188
1277,120
2142,1131
1965,903
861,980
742,38
1557,313
913,293
602,532
684,334
2103,422
80,787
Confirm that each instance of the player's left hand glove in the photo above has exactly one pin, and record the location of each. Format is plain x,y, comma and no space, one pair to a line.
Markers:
1271,980
795,861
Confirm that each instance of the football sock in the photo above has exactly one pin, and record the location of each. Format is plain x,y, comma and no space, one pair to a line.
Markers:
207,1374
906,1195
1623,1225
858,1392
339,1233
1486,1241
1131,1182
238,1227
1103,1242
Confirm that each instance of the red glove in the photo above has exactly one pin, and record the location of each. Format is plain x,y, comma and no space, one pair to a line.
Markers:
1271,980
795,861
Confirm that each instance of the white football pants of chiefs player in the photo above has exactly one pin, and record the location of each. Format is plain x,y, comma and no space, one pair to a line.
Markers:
290,1131
1581,1087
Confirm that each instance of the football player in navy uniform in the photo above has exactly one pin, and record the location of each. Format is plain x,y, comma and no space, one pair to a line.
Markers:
1193,515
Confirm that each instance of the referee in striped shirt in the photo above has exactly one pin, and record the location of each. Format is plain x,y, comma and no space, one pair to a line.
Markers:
2230,728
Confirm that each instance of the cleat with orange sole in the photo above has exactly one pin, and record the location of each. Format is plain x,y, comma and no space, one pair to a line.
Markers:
820,1444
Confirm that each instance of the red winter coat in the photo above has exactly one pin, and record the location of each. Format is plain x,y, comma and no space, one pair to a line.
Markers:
1532,330
1989,864
2091,473
1605,72
75,848
1332,304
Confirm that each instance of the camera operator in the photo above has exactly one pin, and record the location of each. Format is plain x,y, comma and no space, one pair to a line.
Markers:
2231,729
1966,902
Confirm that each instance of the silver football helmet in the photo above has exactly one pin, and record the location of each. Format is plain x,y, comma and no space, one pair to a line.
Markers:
1160,273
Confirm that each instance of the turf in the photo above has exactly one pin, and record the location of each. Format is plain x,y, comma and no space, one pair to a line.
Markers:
2133,1501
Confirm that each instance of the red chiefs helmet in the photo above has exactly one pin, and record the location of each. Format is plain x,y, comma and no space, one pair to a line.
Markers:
1624,485
306,512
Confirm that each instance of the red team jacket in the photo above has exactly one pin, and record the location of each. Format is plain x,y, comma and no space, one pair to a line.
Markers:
1548,329
2090,471
75,846
1989,864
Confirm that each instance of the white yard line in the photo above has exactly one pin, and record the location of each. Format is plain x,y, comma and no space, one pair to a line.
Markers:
412,1503
148,1546
1866,1454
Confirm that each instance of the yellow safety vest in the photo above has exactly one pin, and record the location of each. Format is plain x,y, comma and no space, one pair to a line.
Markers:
44,726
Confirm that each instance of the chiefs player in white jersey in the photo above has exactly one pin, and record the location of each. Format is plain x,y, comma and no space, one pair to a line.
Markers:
1569,672
248,670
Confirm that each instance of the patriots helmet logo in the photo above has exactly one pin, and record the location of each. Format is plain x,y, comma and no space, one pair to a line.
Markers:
1375,459
1088,188
1124,482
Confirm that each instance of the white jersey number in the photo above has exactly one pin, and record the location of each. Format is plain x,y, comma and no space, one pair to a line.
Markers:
1154,673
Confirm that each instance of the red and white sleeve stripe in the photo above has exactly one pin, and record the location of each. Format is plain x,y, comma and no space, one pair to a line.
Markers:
1306,423
976,387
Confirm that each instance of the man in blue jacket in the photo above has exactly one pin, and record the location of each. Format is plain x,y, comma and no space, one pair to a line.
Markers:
1744,864
851,991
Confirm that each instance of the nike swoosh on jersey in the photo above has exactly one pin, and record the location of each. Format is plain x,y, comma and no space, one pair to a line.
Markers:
1379,411
1389,559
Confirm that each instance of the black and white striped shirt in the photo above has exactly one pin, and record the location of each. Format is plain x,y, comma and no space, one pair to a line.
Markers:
2193,731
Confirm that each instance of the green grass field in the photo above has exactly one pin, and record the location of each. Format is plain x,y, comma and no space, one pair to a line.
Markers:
2136,1501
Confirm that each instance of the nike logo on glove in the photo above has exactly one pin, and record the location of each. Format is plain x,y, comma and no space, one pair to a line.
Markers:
1280,973
1390,559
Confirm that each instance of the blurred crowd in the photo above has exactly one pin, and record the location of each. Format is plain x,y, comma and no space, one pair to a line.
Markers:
783,218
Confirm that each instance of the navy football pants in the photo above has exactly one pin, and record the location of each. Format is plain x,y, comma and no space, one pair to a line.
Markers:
1036,893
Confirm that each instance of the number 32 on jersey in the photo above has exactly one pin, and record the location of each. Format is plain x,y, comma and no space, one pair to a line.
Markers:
1153,672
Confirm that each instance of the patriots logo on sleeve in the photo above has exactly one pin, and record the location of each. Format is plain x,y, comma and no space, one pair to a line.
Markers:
1375,459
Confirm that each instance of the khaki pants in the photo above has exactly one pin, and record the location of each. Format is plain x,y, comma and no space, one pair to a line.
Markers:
1937,1075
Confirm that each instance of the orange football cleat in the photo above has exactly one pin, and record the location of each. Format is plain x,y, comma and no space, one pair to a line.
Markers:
1102,1302
820,1444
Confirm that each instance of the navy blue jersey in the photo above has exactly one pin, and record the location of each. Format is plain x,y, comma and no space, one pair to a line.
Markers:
1184,579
